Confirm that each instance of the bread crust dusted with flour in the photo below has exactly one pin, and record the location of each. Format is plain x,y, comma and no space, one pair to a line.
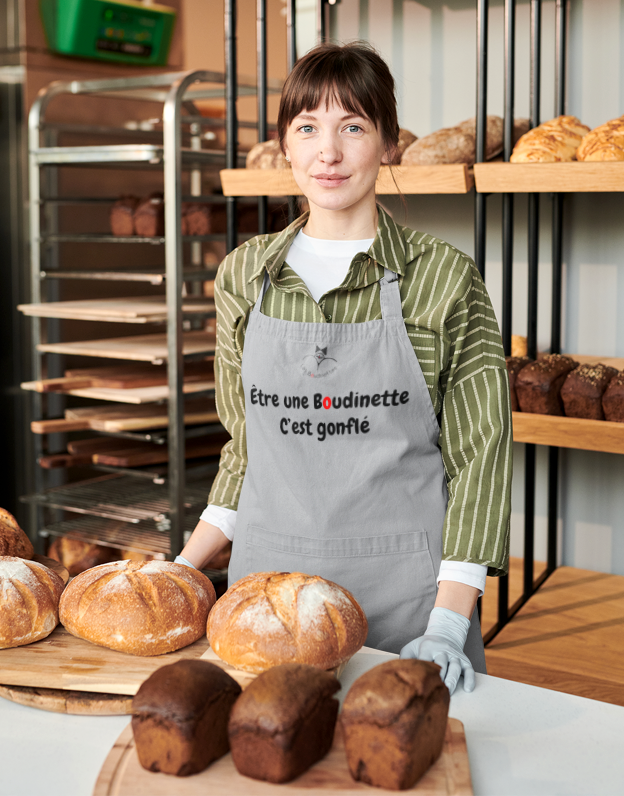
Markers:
29,599
13,540
270,618
141,607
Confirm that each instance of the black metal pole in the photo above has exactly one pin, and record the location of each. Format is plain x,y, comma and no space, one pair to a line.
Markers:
261,48
481,123
508,198
321,21
231,120
529,519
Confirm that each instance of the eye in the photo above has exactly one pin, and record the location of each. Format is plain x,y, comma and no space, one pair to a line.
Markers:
354,128
306,128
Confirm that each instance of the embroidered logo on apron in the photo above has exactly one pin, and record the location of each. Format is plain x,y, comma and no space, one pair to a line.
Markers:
318,365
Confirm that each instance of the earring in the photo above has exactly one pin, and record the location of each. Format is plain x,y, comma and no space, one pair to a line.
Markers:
287,158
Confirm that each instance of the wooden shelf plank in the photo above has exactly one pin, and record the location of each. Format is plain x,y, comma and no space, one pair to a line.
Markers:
549,177
568,432
132,395
131,309
443,179
138,348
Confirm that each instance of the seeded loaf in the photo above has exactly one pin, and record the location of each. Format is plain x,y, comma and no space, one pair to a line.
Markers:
29,599
613,399
270,618
538,385
13,540
180,717
394,722
555,141
139,607
514,366
583,389
284,722
604,143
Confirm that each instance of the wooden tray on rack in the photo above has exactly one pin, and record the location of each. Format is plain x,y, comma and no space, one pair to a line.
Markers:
130,309
549,177
134,395
123,775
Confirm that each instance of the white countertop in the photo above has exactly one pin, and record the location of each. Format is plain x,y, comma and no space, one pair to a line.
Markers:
522,741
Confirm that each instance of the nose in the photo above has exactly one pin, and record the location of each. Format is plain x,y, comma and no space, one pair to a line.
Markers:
329,149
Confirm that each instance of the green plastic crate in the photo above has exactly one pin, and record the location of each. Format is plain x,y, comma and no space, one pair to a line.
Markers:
125,31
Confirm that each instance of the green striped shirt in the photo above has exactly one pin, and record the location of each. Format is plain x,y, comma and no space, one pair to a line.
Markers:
454,332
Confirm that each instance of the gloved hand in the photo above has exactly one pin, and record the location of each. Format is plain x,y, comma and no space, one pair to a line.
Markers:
182,560
443,643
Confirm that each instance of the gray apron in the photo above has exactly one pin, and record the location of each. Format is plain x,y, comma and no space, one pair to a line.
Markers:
345,477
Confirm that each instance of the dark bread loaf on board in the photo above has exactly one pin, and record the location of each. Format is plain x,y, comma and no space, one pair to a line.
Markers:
394,722
13,540
180,717
140,607
613,399
284,722
29,599
583,389
270,618
77,556
122,216
514,366
149,217
538,385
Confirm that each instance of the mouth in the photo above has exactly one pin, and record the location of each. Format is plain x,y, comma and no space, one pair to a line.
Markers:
330,180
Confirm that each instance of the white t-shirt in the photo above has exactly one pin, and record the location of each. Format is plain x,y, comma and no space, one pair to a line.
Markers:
323,266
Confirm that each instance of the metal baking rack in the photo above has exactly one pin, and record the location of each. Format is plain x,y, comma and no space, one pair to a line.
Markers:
176,148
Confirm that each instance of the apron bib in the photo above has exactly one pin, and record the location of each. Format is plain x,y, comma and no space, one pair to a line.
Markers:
345,478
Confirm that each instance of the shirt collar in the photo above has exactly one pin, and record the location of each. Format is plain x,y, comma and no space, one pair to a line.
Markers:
387,250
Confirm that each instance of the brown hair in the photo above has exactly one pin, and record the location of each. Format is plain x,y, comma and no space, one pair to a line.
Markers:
354,76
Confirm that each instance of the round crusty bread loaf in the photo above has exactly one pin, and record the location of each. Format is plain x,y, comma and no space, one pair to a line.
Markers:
13,540
140,607
271,618
77,556
29,599
266,155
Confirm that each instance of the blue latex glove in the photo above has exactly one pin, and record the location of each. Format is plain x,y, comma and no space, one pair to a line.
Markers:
443,643
182,560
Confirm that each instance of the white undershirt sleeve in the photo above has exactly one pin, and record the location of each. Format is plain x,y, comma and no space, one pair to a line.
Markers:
224,519
463,572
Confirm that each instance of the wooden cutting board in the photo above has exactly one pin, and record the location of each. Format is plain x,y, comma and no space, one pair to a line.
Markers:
128,309
136,395
123,775
76,703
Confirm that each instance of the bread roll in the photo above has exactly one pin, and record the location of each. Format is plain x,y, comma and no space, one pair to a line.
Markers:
77,556
554,141
519,345
604,143
29,599
266,155
122,216
270,618
394,721
13,540
149,217
144,608
455,144
405,139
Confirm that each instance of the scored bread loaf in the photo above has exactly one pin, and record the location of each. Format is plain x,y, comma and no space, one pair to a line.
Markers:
455,144
555,141
604,143
139,607
29,599
77,556
267,155
13,540
270,618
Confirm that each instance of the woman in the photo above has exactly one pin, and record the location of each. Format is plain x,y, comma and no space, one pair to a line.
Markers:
361,375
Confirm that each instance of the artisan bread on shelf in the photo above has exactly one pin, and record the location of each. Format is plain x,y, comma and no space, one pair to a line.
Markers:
283,722
143,608
196,219
29,601
394,722
13,540
604,143
538,385
180,717
266,155
613,399
555,141
122,216
583,389
77,556
406,138
149,217
270,618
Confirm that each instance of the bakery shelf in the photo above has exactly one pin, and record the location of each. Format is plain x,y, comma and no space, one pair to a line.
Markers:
152,154
138,348
443,179
549,177
152,277
132,395
568,432
139,309
156,240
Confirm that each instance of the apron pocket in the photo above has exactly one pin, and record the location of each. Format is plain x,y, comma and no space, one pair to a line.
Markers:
392,576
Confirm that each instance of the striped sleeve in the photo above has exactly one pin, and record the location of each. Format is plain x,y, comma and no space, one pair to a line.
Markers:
476,434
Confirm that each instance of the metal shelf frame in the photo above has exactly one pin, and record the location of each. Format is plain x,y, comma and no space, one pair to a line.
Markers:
176,91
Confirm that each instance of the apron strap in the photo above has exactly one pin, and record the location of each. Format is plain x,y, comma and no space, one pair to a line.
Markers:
391,308
265,286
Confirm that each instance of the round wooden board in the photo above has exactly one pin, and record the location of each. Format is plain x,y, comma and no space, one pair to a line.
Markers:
77,703
55,566
122,775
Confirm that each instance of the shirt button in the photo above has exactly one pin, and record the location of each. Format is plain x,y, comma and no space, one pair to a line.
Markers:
328,317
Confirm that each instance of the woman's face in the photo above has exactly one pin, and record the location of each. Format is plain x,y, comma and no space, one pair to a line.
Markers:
335,156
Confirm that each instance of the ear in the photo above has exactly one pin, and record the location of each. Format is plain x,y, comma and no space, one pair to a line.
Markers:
388,156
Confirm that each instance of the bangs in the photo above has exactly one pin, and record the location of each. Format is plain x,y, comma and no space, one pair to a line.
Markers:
353,77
